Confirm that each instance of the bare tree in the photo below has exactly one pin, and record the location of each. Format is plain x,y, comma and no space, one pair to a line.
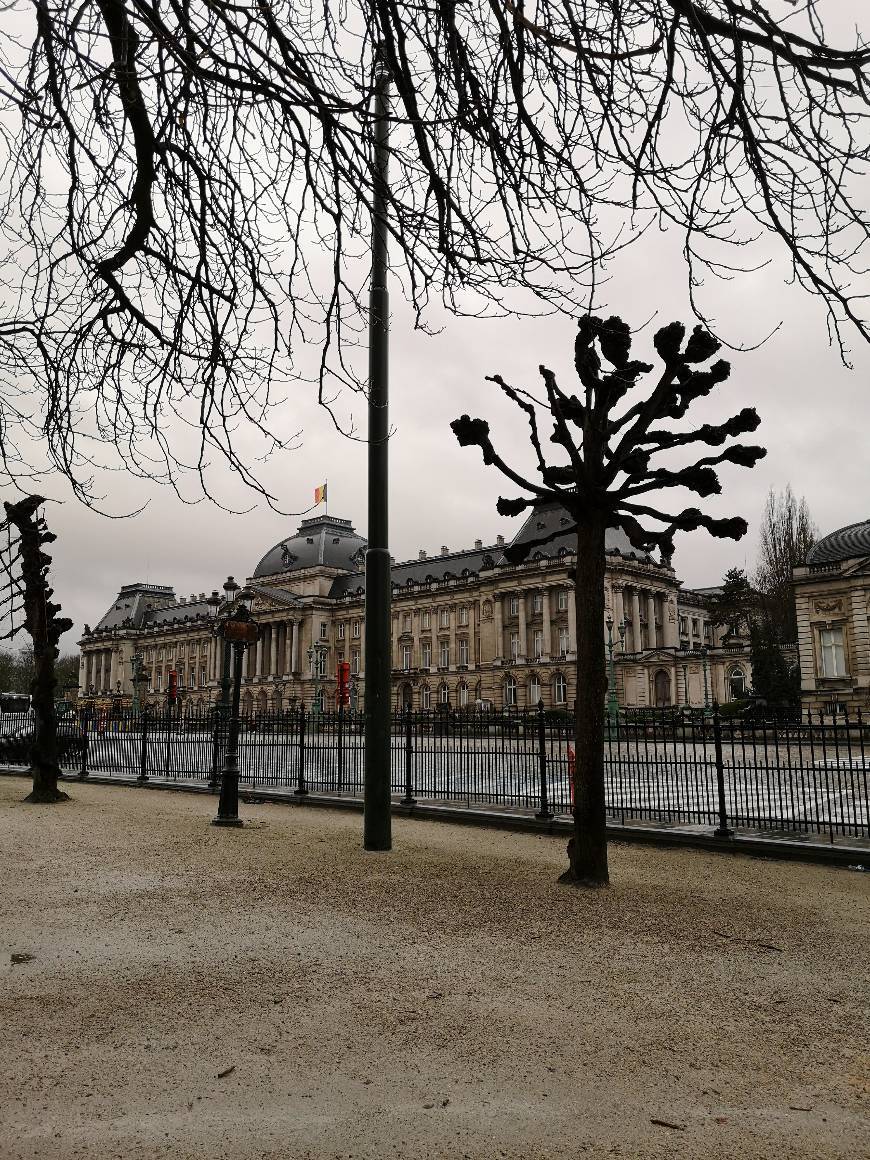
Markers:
610,473
26,600
188,190
787,533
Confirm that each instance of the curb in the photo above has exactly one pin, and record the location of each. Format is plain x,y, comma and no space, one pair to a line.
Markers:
750,845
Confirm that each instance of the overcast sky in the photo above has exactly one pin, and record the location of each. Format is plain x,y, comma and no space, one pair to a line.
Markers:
815,418
814,411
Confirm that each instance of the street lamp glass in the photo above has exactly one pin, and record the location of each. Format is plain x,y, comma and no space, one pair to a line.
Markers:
230,588
246,599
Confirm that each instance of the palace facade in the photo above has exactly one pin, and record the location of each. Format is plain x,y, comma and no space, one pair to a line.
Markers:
832,601
469,628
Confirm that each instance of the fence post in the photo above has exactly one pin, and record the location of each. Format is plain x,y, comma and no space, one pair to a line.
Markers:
143,756
217,748
409,799
301,788
544,813
722,830
340,743
83,772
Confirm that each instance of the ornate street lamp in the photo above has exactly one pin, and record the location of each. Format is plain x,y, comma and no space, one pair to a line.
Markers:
239,630
703,652
612,699
139,678
317,662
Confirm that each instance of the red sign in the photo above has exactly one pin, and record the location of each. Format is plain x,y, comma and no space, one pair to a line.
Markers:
343,691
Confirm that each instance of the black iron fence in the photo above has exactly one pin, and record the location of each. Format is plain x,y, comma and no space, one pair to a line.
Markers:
807,775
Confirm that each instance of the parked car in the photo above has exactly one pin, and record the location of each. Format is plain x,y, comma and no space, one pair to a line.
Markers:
15,744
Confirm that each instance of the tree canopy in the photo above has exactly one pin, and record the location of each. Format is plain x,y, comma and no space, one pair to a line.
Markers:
188,190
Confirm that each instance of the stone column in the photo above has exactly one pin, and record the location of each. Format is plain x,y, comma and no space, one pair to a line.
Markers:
618,607
690,631
258,662
572,623
545,623
523,628
670,627
273,651
499,627
651,618
472,644
637,635
453,657
294,646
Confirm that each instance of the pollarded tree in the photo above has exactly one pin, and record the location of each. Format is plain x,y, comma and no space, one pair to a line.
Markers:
611,433
187,189
26,600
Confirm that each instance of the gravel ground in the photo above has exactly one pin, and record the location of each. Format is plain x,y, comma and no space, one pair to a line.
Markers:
277,992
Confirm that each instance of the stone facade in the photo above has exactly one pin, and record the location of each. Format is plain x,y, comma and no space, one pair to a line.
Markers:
469,628
832,601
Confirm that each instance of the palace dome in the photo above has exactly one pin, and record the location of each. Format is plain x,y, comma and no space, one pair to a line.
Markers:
323,541
844,544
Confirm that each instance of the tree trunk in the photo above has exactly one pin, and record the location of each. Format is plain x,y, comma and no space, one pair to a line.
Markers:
587,849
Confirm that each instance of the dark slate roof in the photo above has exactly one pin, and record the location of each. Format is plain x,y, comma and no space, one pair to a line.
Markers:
444,567
544,518
177,614
844,544
134,603
547,518
323,541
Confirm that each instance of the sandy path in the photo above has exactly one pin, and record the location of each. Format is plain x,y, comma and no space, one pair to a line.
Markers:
447,1000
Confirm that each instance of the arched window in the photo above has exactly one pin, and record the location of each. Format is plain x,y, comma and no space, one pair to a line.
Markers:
737,683
510,692
463,695
560,689
425,697
444,695
534,691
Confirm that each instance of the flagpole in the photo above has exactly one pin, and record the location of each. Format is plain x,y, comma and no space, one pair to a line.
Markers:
377,821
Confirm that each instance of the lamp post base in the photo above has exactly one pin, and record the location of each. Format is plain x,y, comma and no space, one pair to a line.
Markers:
219,821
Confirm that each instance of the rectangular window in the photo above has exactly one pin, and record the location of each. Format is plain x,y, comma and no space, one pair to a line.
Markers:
356,628
427,655
538,643
515,646
406,657
537,602
426,620
563,642
684,628
159,685
425,697
562,599
445,618
181,650
354,661
463,616
444,654
514,605
324,629
463,652
832,652
341,631
406,622
203,679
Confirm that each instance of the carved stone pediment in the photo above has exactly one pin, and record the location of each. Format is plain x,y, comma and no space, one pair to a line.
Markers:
834,604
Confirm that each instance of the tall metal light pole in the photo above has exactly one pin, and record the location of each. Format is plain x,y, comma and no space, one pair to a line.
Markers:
377,823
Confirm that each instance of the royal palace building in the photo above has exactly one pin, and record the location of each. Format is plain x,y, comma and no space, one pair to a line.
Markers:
469,628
